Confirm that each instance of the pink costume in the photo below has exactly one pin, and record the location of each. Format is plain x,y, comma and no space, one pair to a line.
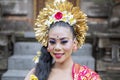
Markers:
83,73
79,73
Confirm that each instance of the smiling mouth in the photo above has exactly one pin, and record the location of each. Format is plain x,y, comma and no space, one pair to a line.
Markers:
58,55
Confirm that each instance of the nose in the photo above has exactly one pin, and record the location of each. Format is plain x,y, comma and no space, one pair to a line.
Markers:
57,47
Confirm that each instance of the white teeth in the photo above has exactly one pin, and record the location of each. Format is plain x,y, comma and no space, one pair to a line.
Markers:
59,53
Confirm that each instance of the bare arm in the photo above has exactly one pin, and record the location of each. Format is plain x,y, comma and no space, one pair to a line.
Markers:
30,73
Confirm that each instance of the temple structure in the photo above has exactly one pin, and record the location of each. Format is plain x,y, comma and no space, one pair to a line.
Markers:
18,46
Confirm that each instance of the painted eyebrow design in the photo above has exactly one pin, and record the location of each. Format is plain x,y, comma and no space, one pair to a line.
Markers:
60,38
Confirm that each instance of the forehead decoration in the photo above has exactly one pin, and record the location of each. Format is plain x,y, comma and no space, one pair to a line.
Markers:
60,10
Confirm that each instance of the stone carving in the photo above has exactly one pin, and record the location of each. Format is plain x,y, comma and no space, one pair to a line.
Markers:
114,18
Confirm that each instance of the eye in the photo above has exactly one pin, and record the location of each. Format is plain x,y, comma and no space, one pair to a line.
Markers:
52,42
64,42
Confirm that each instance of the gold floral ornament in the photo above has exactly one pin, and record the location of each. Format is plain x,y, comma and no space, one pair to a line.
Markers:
60,10
61,16
36,58
33,77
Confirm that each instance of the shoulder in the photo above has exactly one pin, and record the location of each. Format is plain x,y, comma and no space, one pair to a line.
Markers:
31,72
84,72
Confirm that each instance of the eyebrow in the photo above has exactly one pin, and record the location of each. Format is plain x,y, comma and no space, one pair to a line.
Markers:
59,38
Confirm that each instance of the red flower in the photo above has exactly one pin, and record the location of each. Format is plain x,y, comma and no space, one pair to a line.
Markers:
58,15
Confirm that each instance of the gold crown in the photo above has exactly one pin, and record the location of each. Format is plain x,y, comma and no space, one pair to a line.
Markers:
60,10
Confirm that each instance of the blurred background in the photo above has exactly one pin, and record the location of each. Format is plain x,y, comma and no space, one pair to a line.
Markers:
18,46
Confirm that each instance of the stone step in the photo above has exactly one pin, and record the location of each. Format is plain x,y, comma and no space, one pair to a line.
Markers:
85,50
15,75
26,48
85,60
19,62
29,34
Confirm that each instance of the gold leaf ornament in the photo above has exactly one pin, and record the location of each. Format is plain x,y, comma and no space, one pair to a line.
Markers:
60,10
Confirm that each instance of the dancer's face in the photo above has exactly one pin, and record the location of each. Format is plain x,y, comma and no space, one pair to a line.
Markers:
61,43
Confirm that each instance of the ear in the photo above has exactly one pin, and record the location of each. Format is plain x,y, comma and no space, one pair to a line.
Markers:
75,47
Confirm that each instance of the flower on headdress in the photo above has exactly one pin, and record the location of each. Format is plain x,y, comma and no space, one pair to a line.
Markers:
61,16
58,15
59,1
36,58
33,77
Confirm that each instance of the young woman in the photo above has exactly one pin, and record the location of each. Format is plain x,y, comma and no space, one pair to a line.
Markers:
61,29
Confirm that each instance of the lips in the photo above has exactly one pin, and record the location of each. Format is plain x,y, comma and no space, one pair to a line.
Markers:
58,55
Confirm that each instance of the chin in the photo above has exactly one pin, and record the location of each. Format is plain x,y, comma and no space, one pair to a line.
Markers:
59,61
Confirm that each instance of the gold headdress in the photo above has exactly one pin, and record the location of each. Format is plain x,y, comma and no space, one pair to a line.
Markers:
60,10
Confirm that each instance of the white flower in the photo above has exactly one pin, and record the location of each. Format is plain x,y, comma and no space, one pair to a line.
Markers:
59,1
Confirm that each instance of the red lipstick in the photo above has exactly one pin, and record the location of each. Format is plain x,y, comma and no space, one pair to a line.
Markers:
58,55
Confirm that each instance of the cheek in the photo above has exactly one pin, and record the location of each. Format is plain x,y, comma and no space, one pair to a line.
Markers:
50,48
68,47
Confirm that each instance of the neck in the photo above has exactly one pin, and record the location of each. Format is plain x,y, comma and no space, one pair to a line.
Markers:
66,65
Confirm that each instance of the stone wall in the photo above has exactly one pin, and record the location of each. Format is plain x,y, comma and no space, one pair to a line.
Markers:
17,7
15,18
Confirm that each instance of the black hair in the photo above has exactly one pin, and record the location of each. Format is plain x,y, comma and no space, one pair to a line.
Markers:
43,67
